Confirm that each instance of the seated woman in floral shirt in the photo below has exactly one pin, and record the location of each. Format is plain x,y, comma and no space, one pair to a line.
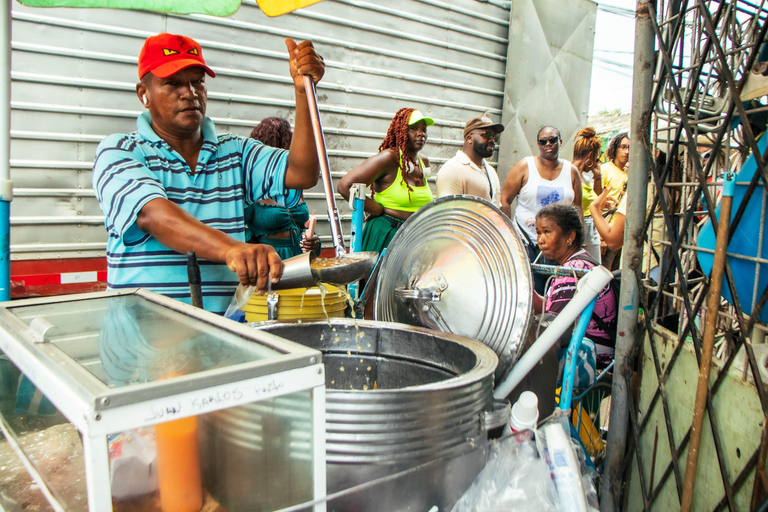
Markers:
560,238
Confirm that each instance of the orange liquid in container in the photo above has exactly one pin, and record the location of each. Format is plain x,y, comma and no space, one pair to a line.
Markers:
178,465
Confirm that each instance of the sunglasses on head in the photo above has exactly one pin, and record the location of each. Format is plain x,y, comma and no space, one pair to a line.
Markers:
552,140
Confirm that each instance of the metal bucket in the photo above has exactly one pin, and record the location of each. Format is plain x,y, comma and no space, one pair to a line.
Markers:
258,457
294,303
398,398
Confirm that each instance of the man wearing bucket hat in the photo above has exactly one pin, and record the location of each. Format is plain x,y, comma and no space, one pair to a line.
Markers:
468,172
175,184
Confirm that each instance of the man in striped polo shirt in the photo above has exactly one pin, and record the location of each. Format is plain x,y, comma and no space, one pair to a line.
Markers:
175,184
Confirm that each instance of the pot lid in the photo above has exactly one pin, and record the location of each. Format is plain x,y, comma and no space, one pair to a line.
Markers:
458,265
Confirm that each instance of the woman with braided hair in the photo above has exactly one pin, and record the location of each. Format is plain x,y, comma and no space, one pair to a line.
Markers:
397,176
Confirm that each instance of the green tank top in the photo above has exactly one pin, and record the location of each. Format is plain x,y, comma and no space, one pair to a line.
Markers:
398,197
263,220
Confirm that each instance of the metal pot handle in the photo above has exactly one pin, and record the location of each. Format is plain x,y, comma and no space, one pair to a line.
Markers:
417,294
498,415
429,294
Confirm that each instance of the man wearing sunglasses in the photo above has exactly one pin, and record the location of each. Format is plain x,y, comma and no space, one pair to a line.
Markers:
537,181
468,172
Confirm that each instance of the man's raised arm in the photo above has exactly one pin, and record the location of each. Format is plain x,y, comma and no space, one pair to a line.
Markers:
303,166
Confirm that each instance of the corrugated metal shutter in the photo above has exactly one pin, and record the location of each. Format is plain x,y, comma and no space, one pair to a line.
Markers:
548,80
74,74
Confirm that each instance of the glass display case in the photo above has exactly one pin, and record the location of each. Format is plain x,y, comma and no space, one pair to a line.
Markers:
132,401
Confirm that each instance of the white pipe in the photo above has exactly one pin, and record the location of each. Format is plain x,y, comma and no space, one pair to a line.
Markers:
6,186
587,289
5,99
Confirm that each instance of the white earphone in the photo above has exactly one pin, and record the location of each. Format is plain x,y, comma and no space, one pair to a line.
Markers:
144,99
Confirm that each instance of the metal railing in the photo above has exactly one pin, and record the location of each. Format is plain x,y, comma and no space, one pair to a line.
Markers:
689,128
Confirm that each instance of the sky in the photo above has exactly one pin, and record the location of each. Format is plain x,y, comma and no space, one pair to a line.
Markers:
611,85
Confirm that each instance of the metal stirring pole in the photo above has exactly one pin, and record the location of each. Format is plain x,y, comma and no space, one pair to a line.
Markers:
325,168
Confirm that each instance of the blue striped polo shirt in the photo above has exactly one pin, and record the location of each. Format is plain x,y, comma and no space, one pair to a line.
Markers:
132,169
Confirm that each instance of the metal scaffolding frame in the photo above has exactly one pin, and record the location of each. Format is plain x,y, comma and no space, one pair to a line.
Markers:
692,60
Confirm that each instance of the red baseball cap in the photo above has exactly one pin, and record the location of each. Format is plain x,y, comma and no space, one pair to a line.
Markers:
165,54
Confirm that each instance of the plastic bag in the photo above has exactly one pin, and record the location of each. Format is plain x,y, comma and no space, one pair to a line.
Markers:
239,300
514,478
132,463
574,479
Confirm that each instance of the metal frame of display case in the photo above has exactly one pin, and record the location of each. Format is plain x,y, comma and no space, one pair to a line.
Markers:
97,410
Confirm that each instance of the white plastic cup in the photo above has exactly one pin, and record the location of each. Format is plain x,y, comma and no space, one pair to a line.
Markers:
524,415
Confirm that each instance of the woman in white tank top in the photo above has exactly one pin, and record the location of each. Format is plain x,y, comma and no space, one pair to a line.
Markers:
536,182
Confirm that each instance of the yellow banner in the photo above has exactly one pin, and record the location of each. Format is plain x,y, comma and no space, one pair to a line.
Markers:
278,7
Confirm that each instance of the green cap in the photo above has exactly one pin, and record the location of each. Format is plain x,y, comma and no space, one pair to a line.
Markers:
417,116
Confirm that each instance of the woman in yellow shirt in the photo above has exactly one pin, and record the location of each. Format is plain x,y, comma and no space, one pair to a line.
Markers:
613,171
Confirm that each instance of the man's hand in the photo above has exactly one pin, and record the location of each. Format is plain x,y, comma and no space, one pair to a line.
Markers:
254,264
304,60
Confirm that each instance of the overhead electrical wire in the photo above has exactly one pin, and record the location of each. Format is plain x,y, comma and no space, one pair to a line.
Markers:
608,66
626,52
619,11
613,63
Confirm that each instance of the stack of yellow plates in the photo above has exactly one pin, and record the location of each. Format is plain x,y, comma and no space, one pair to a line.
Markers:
305,303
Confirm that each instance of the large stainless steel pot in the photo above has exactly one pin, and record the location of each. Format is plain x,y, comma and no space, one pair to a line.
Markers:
397,398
